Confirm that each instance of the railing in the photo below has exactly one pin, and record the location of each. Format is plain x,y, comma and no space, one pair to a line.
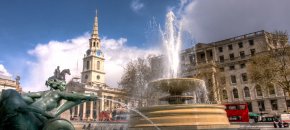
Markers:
242,36
101,125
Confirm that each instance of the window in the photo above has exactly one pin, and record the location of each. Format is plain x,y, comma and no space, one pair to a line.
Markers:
235,93
244,77
191,58
88,65
210,53
232,56
253,51
250,106
223,80
202,55
98,65
259,90
242,107
235,118
247,92
222,58
243,65
225,95
261,105
242,54
220,49
94,44
274,104
230,47
271,89
233,79
232,67
288,103
232,107
240,44
251,42
222,69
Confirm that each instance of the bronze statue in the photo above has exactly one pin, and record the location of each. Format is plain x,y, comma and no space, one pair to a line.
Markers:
33,111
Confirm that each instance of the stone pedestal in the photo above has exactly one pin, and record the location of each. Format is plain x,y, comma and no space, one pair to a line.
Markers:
182,116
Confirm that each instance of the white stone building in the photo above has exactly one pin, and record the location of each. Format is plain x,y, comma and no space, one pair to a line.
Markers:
222,65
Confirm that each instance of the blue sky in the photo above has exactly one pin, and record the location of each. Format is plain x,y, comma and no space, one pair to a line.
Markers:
24,24
37,35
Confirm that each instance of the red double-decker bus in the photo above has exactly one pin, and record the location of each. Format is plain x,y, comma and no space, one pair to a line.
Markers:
237,112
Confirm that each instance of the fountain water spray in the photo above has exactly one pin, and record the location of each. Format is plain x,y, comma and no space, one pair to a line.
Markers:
172,43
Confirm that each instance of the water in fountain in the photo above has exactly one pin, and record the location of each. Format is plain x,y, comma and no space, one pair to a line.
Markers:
172,42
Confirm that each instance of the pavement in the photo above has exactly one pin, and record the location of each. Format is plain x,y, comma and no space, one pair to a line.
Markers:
124,126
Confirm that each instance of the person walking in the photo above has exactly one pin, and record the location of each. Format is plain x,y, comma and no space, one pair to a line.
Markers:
275,123
280,124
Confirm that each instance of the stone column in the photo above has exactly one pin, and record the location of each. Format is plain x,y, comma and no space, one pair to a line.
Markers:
205,55
214,86
98,109
110,103
84,110
102,103
92,110
79,108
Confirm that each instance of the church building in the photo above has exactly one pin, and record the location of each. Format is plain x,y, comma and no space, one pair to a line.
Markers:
93,82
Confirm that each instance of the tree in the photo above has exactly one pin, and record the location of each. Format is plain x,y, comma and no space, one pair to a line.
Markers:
273,66
135,79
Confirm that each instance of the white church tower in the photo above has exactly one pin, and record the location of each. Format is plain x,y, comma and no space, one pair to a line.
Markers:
93,62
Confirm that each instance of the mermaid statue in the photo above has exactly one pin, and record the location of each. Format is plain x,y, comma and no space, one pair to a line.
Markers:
40,110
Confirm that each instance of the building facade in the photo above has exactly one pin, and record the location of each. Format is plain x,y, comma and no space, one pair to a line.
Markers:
223,67
7,82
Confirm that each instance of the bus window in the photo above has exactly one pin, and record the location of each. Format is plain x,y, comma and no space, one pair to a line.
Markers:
233,107
242,107
235,118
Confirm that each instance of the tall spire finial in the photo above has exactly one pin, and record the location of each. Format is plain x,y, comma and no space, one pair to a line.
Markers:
95,33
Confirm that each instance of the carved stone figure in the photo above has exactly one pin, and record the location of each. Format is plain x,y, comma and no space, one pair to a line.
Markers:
39,110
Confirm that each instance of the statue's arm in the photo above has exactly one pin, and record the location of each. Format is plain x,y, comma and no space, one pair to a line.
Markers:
72,100
34,94
30,97
77,96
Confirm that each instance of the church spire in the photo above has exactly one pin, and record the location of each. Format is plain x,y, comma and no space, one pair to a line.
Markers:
95,33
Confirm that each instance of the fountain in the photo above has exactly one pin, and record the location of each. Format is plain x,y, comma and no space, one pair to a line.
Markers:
176,114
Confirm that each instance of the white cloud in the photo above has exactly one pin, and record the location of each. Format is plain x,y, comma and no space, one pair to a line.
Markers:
3,72
136,5
66,54
212,20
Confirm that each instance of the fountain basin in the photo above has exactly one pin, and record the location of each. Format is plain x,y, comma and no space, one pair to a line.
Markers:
176,86
183,116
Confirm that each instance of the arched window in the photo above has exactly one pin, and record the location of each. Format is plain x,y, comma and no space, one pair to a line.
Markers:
98,65
235,93
88,65
94,44
247,92
225,94
271,89
259,90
